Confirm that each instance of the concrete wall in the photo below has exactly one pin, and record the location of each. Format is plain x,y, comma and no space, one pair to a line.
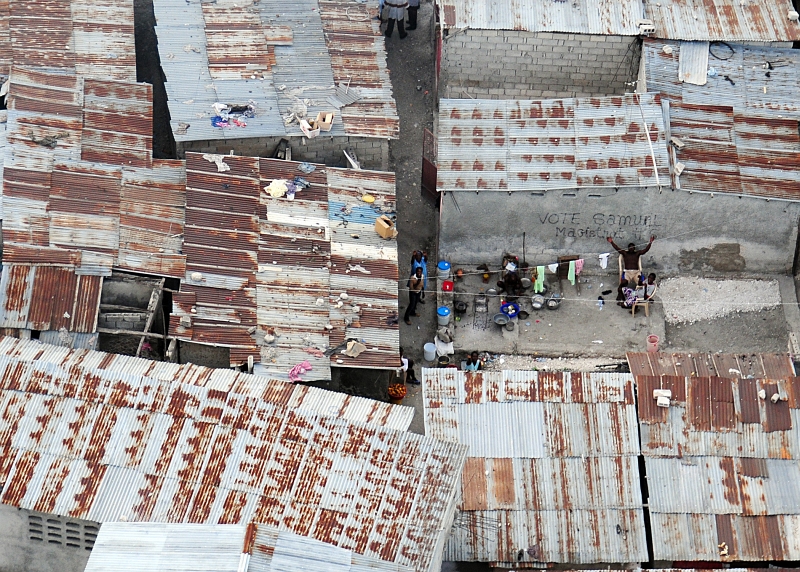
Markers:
372,153
499,64
697,233
30,548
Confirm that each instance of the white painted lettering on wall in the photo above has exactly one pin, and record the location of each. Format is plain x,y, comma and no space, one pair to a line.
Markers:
600,225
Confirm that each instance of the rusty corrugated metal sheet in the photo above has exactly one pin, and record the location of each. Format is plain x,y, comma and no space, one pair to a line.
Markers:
117,123
89,188
280,277
740,133
82,437
724,20
48,298
552,465
231,25
720,460
6,56
582,17
497,145
772,366
96,38
358,58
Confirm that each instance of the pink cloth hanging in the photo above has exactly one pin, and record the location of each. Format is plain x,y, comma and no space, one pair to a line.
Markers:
578,266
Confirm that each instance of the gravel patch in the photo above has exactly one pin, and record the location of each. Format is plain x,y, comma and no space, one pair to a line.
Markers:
690,300
529,363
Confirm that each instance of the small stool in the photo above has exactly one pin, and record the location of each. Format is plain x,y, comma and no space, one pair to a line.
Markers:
642,302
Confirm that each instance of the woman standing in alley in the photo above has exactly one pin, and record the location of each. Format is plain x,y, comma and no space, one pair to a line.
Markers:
397,12
415,286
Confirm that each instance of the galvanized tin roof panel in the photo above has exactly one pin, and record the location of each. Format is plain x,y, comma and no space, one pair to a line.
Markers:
296,54
606,18
153,547
545,449
101,447
552,144
291,270
723,20
577,536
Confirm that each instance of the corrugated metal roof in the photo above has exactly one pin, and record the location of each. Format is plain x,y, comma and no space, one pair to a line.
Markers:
79,176
552,467
48,298
726,20
551,144
772,366
295,54
280,276
108,444
721,462
752,90
582,17
296,397
92,37
740,133
155,547
5,39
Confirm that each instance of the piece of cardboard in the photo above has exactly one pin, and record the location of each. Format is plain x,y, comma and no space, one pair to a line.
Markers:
324,120
385,227
308,130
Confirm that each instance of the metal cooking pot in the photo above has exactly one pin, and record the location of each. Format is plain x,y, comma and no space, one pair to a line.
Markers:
537,301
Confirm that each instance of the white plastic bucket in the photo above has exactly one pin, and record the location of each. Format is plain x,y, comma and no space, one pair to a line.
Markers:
429,351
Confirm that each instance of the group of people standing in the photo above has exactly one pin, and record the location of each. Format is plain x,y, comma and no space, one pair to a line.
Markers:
397,14
417,283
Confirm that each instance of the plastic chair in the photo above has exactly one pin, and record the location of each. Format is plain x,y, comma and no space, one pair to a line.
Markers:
644,302
622,267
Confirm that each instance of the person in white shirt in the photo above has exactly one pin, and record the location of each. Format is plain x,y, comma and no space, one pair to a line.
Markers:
408,369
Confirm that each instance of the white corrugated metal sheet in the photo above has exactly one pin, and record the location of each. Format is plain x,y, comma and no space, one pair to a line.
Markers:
153,547
606,17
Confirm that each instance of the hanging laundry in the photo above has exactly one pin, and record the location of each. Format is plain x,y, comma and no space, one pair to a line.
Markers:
578,266
552,268
571,272
604,259
538,286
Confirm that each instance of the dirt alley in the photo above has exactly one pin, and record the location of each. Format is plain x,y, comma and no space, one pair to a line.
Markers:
411,65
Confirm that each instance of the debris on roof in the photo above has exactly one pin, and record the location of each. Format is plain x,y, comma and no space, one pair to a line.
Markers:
552,473
738,131
299,277
721,443
296,53
551,144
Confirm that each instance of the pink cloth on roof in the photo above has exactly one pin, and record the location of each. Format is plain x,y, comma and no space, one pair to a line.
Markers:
297,371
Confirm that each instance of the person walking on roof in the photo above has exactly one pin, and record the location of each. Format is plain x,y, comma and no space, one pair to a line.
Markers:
397,13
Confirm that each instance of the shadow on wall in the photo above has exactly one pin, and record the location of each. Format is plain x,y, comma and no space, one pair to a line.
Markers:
722,257
370,383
